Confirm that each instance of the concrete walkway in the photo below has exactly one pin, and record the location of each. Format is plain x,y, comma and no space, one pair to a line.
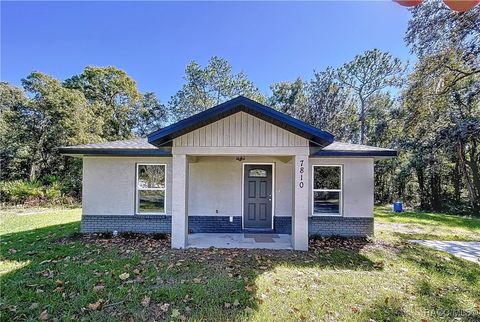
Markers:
266,241
466,250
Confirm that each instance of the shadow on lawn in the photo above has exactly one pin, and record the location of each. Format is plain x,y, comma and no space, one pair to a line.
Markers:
65,275
445,276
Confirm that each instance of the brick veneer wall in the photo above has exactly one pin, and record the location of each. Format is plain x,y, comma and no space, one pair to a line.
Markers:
318,225
340,226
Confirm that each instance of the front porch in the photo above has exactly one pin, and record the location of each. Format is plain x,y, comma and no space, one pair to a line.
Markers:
218,200
239,240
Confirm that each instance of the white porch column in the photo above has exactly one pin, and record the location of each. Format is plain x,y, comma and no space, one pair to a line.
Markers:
179,201
300,201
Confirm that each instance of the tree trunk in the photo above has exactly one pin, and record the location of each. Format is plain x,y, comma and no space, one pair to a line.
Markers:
421,188
362,120
435,187
470,186
457,181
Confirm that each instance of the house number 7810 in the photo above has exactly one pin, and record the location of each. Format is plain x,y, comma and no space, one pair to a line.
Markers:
302,170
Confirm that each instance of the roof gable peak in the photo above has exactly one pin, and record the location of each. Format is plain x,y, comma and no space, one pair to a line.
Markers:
164,136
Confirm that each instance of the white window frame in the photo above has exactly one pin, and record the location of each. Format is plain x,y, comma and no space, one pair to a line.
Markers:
340,202
138,189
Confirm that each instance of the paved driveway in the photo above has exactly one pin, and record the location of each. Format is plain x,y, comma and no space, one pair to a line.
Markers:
466,250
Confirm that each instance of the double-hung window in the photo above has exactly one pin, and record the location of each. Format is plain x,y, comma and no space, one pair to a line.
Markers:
150,184
327,190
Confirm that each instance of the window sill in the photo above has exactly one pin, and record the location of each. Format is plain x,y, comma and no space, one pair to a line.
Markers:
151,214
327,215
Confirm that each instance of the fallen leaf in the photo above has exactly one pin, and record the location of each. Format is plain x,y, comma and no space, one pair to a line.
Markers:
33,306
58,283
355,309
146,301
124,276
43,316
98,288
96,306
227,305
197,280
164,307
236,303
12,308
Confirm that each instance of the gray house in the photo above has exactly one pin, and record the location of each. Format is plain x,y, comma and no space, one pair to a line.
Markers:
239,167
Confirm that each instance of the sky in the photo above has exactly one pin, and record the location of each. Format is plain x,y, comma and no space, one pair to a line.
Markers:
154,41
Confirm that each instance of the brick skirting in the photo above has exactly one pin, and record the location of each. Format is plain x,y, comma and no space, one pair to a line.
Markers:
340,226
136,223
318,225
214,224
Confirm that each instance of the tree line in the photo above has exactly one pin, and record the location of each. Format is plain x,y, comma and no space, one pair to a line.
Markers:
429,110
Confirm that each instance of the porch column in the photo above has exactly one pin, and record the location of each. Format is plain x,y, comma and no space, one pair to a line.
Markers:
179,201
300,201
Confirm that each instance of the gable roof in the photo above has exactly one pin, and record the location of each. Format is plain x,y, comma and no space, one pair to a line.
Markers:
164,136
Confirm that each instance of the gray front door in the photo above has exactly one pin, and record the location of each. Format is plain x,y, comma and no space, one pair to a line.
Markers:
257,207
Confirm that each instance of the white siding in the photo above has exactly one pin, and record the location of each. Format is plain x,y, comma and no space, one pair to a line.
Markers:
358,184
240,130
215,183
109,184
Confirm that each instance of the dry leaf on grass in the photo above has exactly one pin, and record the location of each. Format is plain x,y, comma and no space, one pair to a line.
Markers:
145,301
98,288
164,307
43,316
124,276
96,306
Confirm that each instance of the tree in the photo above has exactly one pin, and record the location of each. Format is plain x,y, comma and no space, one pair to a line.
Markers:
370,73
35,126
113,96
151,115
210,86
330,106
444,122
13,153
434,27
289,98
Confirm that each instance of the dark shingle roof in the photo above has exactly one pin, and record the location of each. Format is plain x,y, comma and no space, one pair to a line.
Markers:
139,147
125,148
349,149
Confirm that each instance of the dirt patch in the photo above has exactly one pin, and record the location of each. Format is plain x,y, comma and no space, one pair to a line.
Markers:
401,228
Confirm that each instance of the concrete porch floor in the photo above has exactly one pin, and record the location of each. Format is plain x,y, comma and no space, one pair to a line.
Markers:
243,240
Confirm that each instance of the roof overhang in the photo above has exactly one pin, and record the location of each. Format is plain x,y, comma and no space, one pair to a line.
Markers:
81,152
165,136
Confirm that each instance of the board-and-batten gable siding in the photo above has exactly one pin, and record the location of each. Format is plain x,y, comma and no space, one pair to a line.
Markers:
240,129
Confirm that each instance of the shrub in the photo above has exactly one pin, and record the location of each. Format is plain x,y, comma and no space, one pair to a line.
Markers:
17,192
33,193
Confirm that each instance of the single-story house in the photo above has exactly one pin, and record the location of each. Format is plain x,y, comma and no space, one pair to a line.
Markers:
237,167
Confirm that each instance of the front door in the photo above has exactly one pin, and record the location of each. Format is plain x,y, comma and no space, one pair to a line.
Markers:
257,206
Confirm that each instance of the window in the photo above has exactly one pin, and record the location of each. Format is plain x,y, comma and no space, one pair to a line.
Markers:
257,173
327,190
151,188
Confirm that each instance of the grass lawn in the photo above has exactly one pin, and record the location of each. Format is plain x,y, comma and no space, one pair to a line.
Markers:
50,272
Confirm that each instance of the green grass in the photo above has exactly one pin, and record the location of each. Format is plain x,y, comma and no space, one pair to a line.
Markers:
427,225
46,266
